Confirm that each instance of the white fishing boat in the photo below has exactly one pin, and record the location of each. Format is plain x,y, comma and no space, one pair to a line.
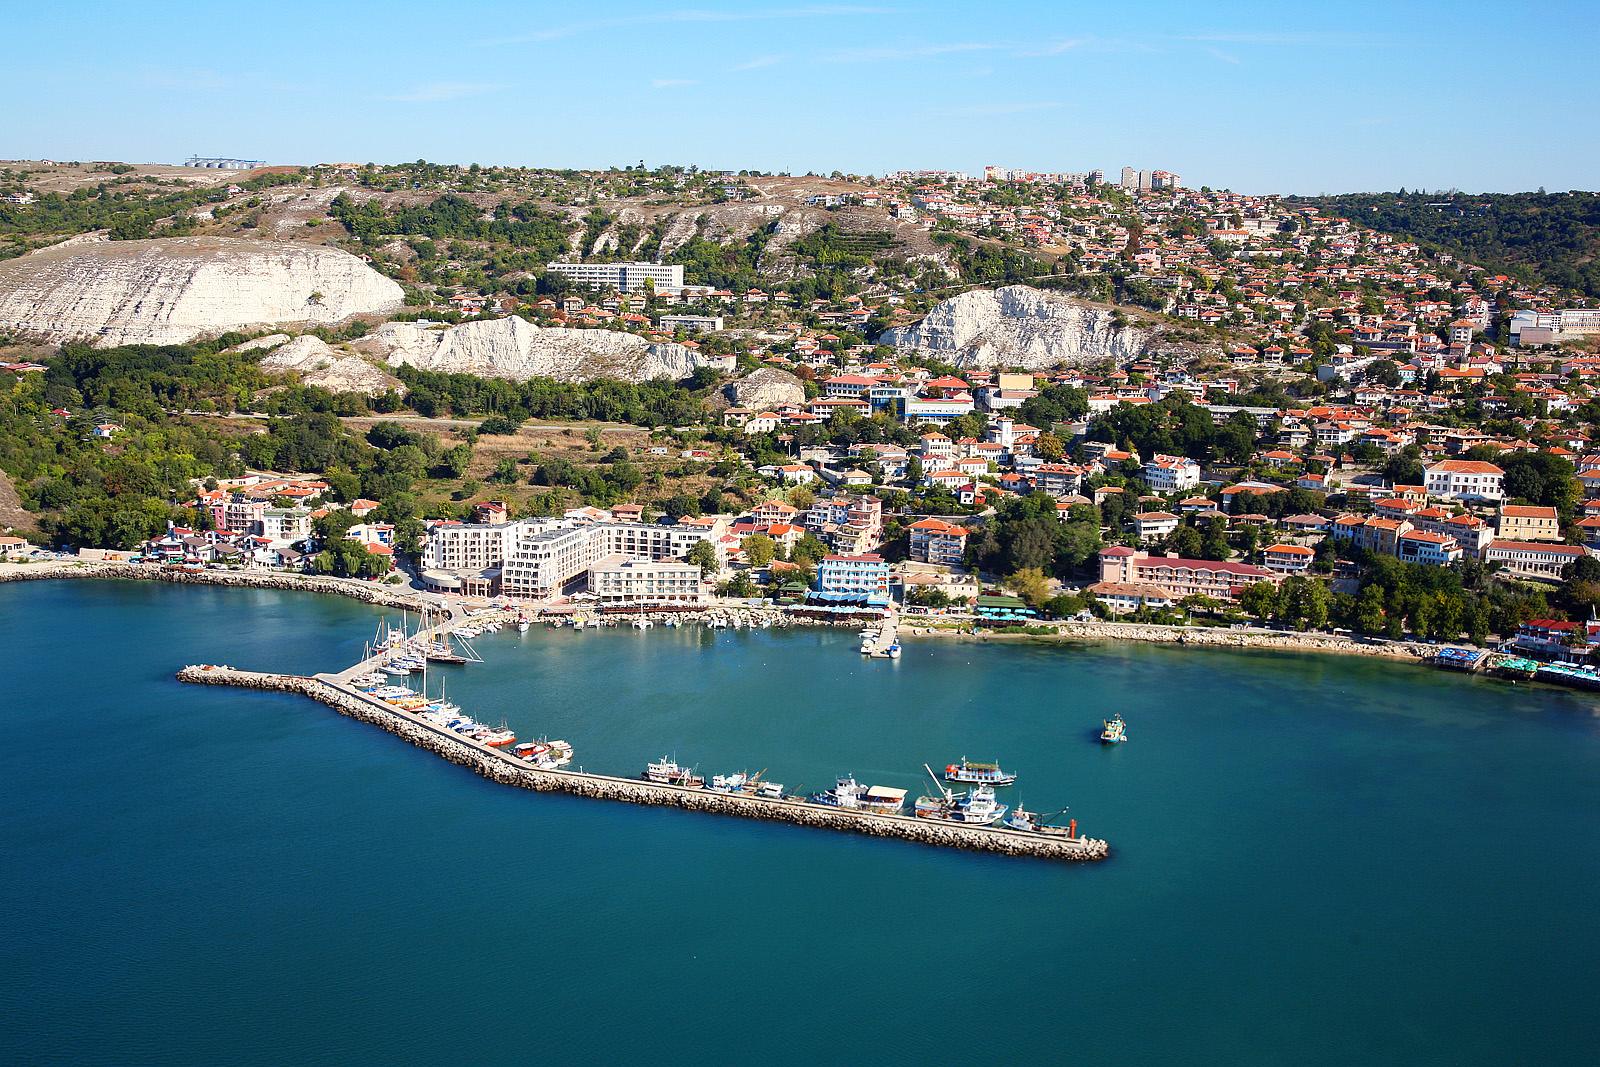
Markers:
975,808
851,795
1114,731
665,771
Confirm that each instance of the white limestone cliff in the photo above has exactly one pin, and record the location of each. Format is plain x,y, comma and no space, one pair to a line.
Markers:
178,289
766,387
1019,326
515,348
314,362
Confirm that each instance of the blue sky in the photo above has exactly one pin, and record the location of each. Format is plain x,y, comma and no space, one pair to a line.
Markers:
1264,97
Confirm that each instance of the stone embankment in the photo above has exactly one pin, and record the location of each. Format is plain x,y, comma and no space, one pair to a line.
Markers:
367,592
508,770
1217,637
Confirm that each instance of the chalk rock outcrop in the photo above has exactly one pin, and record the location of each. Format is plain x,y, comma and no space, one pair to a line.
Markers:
515,348
314,362
1019,326
767,387
174,290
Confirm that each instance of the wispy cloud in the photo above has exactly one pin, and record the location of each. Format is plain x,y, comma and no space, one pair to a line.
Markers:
892,53
758,63
691,15
1054,48
990,110
438,92
672,83
1281,39
1223,57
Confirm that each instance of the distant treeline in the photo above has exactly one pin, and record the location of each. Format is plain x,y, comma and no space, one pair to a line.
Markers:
1551,238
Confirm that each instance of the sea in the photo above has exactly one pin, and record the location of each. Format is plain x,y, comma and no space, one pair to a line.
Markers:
1314,859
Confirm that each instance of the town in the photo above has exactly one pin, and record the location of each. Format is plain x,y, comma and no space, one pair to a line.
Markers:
1282,418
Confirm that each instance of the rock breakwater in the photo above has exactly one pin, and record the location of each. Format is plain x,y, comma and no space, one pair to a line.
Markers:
508,770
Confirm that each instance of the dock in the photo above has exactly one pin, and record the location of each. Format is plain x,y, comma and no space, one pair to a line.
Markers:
884,643
338,692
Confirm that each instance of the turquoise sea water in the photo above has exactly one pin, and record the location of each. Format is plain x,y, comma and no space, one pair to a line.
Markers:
1316,860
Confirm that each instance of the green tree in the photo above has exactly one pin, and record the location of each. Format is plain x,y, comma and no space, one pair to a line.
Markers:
704,556
1031,585
759,550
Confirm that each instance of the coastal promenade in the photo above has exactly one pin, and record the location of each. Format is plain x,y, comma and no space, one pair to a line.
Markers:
336,692
392,596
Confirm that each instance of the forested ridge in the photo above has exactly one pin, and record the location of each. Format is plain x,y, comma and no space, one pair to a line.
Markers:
1551,238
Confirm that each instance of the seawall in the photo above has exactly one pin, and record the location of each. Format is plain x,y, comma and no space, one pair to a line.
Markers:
1211,637
509,770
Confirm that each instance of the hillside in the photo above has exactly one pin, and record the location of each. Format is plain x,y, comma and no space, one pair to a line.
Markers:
1548,238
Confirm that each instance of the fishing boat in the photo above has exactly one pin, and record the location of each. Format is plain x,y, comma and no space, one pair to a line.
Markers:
522,626
767,791
666,771
851,795
1114,731
972,772
975,808
727,783
1033,823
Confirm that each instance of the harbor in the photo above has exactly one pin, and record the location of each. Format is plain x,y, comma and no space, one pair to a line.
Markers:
351,857
341,692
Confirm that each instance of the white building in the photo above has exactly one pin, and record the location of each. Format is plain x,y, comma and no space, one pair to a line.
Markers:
539,558
1532,559
619,580
623,277
691,323
1170,474
1465,479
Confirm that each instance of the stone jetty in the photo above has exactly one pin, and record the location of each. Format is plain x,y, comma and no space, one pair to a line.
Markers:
509,770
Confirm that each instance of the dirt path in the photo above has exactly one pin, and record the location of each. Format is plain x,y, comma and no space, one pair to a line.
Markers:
11,513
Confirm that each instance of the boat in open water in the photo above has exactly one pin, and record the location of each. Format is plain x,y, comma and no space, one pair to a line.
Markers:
973,773
1113,731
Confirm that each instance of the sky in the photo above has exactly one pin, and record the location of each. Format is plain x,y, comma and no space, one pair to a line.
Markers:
1332,96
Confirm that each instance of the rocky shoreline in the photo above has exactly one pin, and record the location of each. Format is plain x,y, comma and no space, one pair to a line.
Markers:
1212,637
507,770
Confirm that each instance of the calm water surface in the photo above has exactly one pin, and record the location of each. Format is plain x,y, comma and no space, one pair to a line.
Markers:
1316,860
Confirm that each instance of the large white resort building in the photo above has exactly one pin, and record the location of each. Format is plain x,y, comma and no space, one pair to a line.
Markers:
541,558
623,277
